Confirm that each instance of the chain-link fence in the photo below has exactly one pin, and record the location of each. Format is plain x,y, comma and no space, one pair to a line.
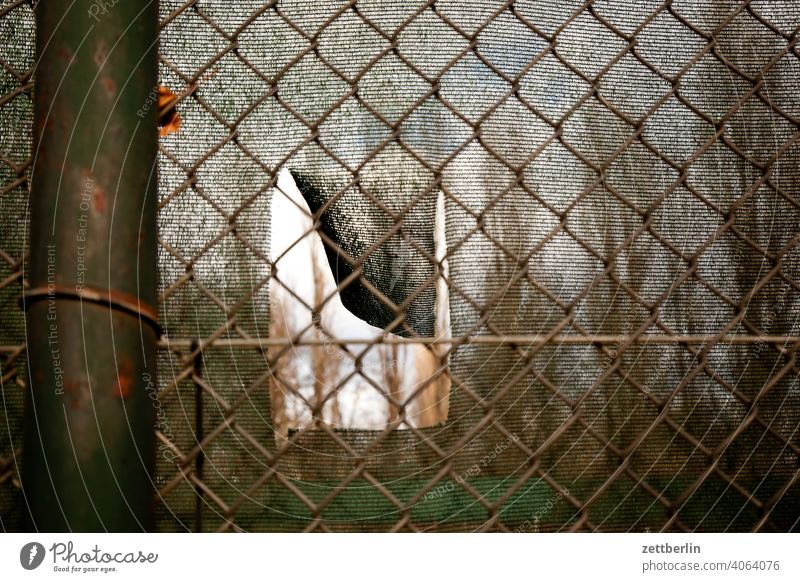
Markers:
17,31
607,190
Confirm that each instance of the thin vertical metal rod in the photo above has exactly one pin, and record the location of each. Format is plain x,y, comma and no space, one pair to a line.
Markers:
197,371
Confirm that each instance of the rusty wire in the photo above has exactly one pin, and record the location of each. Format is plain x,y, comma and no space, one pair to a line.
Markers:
16,111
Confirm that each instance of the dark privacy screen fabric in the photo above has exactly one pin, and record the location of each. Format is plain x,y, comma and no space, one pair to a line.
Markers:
621,183
17,40
609,169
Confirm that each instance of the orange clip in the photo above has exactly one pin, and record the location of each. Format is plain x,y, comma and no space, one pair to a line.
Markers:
169,121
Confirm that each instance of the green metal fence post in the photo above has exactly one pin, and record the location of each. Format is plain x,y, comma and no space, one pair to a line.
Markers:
91,316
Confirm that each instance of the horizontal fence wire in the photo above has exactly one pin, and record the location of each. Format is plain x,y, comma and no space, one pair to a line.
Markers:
510,339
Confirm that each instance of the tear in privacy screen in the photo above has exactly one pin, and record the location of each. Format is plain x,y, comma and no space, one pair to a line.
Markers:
623,170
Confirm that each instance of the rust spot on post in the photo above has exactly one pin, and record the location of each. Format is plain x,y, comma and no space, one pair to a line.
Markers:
109,85
124,385
101,54
72,394
99,199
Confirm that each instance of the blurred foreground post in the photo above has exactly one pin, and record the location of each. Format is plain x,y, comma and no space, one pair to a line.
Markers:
91,315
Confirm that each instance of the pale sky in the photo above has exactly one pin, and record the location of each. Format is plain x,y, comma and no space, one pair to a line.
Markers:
361,405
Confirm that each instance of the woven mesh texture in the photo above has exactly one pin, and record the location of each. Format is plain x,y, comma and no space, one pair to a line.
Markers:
17,38
609,169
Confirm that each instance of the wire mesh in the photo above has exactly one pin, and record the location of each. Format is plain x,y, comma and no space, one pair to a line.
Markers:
17,31
619,183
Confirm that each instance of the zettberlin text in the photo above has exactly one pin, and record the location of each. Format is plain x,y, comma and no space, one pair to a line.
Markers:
671,549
